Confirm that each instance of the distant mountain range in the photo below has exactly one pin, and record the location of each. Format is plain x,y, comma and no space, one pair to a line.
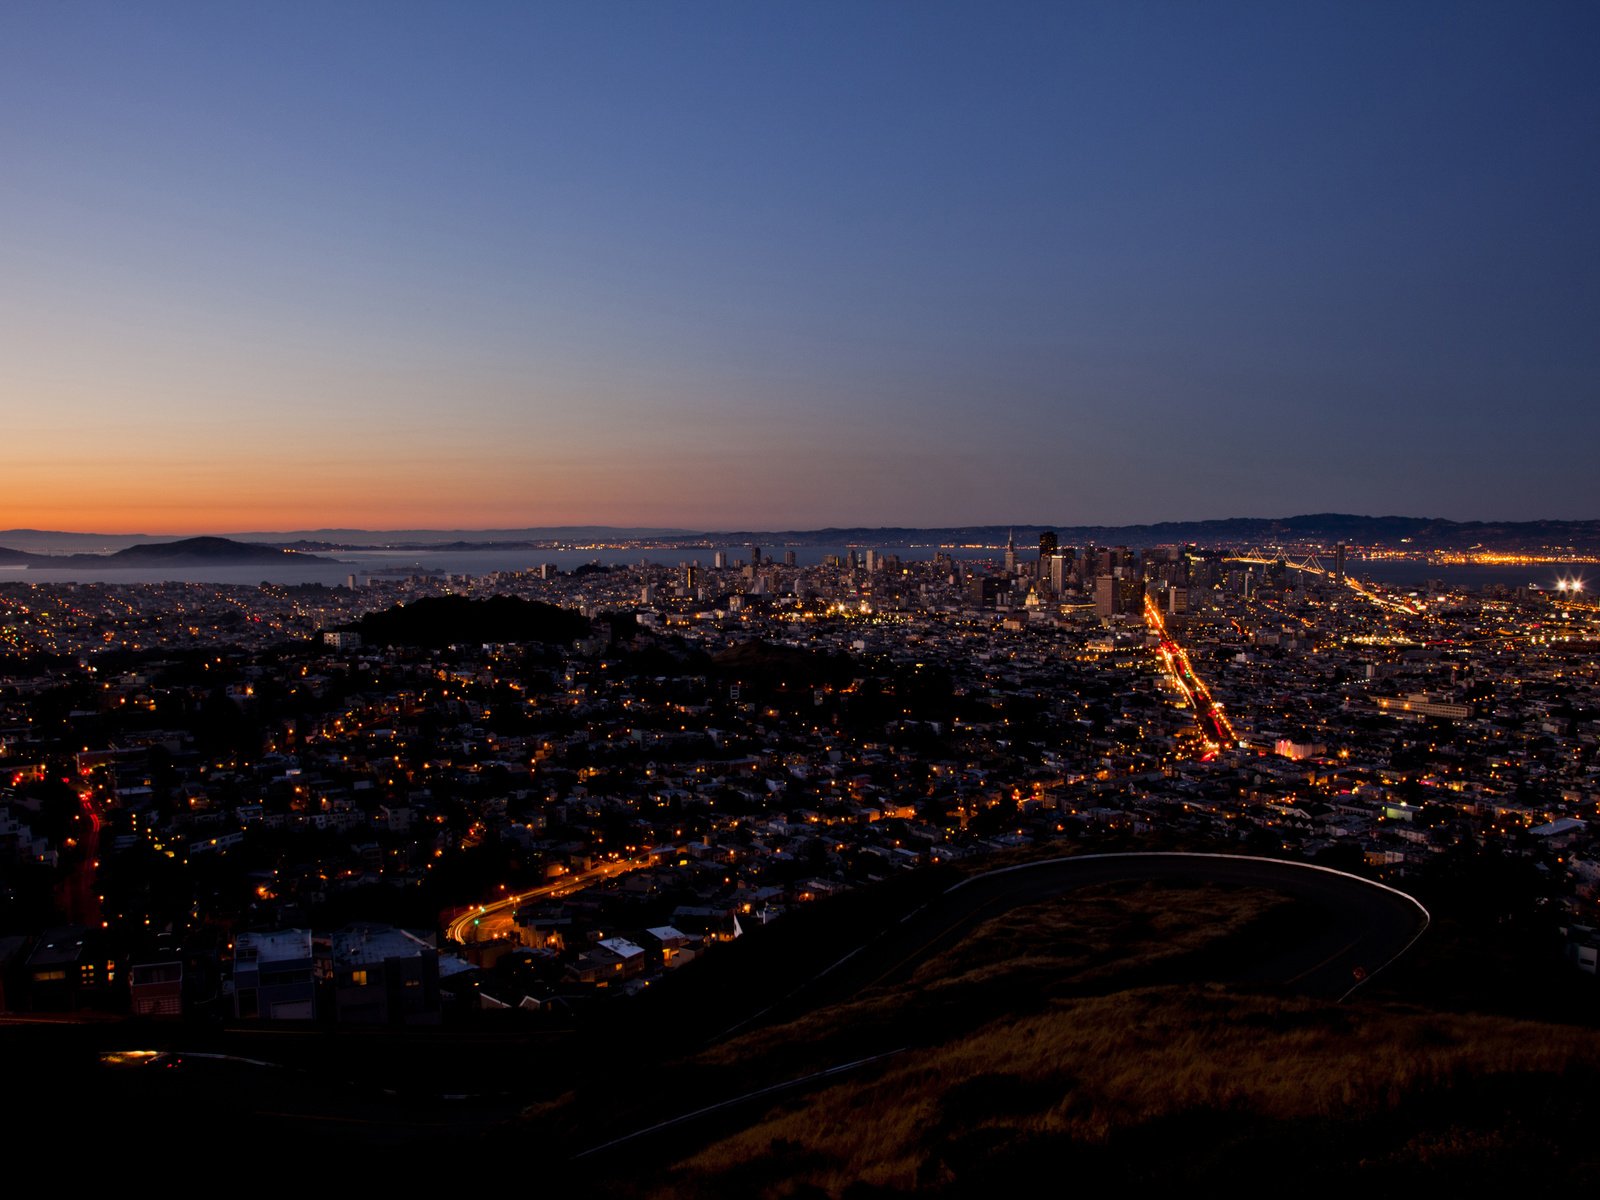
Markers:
46,541
1420,533
200,551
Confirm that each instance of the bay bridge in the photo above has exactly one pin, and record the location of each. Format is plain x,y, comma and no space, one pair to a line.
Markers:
1312,565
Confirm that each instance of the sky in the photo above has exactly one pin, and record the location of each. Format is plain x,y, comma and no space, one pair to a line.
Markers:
791,265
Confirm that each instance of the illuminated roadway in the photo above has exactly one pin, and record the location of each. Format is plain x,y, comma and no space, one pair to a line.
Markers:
79,894
485,922
1213,722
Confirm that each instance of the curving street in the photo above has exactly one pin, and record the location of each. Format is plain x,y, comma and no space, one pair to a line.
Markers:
485,922
1362,926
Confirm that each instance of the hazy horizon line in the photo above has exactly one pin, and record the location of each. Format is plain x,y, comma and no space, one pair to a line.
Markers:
661,531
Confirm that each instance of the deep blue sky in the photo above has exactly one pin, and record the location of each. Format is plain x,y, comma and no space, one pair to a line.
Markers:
789,264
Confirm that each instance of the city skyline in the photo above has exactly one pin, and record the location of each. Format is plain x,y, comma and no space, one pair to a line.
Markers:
838,265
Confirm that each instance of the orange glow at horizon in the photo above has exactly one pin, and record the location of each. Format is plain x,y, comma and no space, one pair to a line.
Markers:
378,491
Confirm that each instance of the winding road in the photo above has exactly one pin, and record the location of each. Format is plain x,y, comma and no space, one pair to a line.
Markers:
1353,928
497,918
1362,926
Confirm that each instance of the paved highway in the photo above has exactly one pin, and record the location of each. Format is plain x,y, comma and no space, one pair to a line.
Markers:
483,922
1360,928
1354,928
1208,713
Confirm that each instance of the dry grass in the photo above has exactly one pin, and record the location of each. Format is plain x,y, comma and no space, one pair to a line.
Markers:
1095,938
1088,1068
1068,1038
1100,933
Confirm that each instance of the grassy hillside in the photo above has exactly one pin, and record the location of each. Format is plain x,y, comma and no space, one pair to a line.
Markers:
1076,1041
1183,1085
